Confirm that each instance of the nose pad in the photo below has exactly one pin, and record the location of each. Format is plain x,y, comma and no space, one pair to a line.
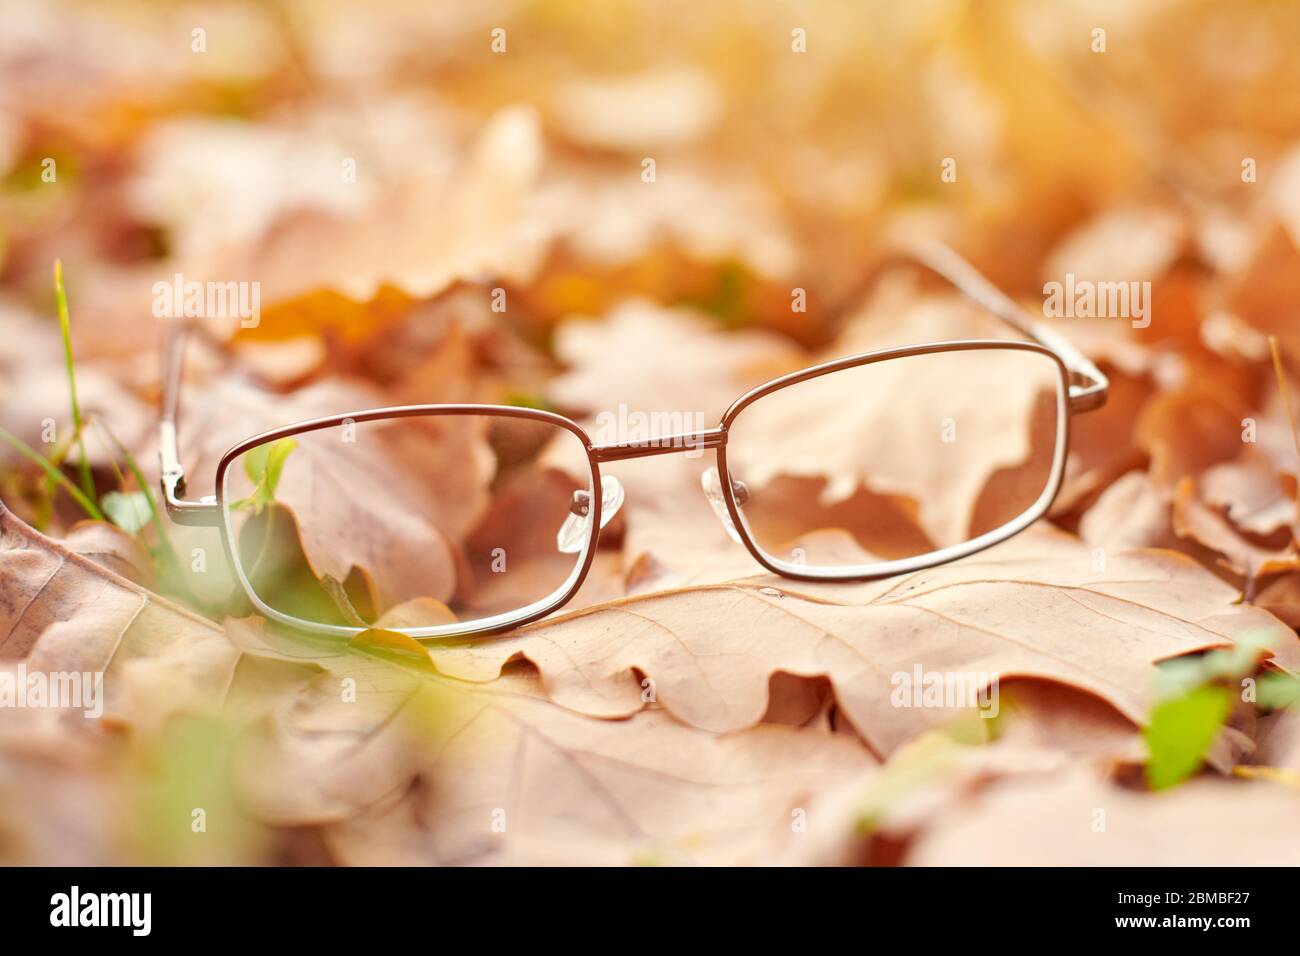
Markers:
577,526
711,482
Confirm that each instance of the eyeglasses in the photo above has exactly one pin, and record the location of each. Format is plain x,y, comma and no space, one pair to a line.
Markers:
873,465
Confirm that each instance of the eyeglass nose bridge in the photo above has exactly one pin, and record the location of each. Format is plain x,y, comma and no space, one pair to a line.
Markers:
663,445
684,442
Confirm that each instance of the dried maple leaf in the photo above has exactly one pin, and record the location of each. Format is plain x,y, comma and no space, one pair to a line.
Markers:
1038,605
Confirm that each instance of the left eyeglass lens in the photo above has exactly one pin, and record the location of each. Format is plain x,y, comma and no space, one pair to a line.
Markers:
427,521
884,462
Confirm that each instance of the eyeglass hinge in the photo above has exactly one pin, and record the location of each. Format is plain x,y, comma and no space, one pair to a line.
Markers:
202,513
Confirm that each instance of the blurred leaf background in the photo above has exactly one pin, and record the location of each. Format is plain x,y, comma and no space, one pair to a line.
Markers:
381,168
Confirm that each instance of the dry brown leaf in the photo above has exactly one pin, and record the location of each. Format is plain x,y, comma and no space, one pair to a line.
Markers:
651,790
1192,519
421,769
111,547
61,612
1190,429
1076,820
1120,245
427,227
1251,493
1132,513
656,360
1102,445
1042,729
1281,597
1035,606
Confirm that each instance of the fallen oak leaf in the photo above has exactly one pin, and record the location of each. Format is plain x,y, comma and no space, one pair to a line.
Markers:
332,730
425,227
1041,729
1054,820
1035,606
416,767
1102,444
1193,519
1133,512
1280,596
1251,493
503,788
111,547
623,360
1189,430
61,612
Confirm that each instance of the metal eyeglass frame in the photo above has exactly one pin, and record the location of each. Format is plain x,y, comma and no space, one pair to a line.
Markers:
1083,388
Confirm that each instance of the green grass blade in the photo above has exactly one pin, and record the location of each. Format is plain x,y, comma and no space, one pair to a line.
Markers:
87,503
65,329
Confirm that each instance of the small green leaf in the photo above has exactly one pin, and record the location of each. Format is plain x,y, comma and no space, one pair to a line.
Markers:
1277,690
264,465
129,510
1181,732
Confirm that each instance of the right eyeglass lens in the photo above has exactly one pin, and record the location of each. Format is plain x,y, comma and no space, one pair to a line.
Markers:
435,521
884,462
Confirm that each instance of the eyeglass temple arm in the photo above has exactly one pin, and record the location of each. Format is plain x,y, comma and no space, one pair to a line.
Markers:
1089,386
204,512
